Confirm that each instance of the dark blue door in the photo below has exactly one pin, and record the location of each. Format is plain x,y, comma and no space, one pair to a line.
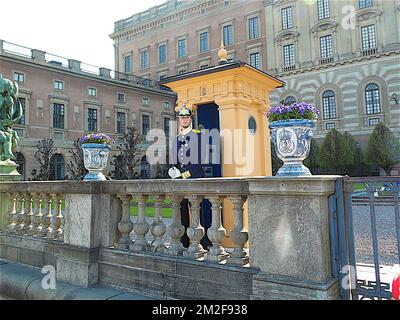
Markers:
208,118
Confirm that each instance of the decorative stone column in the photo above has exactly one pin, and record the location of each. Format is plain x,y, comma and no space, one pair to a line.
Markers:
289,237
12,216
239,234
141,227
158,227
216,233
176,229
125,226
195,232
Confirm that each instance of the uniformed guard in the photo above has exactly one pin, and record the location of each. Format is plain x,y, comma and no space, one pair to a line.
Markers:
186,156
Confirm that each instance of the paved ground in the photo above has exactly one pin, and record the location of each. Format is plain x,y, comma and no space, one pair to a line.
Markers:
386,233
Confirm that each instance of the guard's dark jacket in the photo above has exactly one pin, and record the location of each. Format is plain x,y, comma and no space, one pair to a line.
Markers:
186,156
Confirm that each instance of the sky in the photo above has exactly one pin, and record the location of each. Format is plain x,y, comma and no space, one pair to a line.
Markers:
74,29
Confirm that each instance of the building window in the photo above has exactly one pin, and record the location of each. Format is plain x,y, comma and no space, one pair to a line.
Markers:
228,35
323,9
58,85
368,37
373,122
58,116
372,99
167,126
23,105
290,100
326,47
254,31
145,101
121,122
365,3
57,167
92,92
19,77
128,64
121,97
181,71
144,59
92,120
287,18
203,41
162,54
288,55
181,48
255,60
330,126
145,168
145,124
329,104
166,105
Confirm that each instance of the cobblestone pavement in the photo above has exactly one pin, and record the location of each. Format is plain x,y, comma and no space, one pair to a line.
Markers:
386,234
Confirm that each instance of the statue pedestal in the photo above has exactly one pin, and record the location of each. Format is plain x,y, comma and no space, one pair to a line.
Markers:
8,172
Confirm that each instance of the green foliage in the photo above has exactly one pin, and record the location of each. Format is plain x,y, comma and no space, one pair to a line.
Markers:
383,149
357,168
276,162
336,154
311,162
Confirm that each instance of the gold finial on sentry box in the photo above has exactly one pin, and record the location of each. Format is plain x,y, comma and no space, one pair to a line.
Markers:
222,54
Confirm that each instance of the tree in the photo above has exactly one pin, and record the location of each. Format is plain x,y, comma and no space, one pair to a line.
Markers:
128,157
311,162
276,162
357,168
336,154
43,155
383,149
75,167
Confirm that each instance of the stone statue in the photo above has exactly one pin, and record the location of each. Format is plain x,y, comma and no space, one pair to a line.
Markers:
10,113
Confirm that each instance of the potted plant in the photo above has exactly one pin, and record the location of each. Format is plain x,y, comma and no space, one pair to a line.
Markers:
291,133
96,147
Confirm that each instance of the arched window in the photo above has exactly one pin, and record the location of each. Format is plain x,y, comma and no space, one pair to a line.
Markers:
290,100
21,162
372,99
57,167
144,168
329,104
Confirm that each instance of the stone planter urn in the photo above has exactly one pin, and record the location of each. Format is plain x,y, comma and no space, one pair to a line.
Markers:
291,139
95,160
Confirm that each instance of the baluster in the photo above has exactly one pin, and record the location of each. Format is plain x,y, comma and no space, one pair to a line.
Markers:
52,230
158,227
141,227
195,232
47,217
216,232
239,234
21,213
12,216
59,234
30,217
176,230
20,207
37,231
125,226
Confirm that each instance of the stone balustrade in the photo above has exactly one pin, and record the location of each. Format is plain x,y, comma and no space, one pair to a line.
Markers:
278,234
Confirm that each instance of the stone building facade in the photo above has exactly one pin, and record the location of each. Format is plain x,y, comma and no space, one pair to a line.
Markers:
181,36
65,99
343,56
